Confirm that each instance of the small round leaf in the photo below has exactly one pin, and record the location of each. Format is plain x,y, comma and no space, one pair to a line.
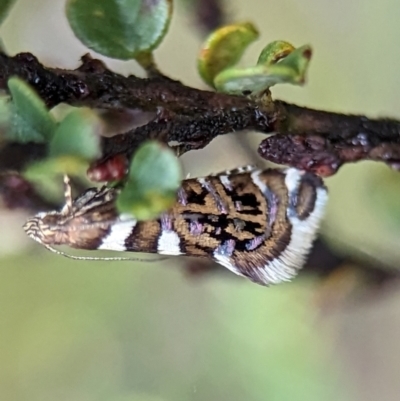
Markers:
55,166
290,69
30,119
119,28
154,178
224,48
77,135
274,52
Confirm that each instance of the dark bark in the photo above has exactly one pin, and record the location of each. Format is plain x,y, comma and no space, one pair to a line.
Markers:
320,141
189,116
313,140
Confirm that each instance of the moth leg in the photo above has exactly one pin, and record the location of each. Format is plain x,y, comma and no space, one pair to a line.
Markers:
67,193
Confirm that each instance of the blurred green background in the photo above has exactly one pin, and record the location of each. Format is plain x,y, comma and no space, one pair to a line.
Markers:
81,331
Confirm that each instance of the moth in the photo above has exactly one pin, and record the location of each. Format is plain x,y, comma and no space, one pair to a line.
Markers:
259,224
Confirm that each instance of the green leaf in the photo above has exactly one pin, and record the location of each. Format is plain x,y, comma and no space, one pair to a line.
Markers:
30,119
119,28
55,166
224,48
5,6
274,52
154,178
77,135
291,69
5,113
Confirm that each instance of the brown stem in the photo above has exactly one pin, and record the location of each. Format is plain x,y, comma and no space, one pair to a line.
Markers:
313,140
298,120
92,84
321,141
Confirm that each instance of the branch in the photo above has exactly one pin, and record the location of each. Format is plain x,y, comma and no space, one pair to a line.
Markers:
93,85
321,142
190,133
313,140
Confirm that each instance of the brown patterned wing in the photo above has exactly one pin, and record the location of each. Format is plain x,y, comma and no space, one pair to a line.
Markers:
258,224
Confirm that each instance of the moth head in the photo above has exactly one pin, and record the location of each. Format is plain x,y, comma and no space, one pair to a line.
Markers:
81,223
43,228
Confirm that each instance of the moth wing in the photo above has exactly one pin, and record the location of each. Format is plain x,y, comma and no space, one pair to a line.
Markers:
269,259
248,168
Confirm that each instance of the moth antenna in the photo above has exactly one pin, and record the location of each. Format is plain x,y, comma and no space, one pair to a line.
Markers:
67,192
109,259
